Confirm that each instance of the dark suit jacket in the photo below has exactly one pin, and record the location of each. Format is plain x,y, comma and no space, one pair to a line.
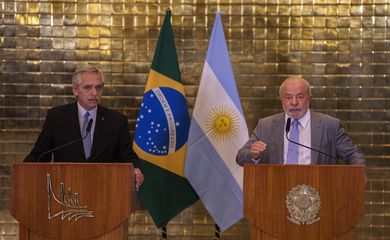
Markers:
111,140
327,135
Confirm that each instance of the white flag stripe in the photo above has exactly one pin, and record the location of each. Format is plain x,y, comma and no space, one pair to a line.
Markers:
214,93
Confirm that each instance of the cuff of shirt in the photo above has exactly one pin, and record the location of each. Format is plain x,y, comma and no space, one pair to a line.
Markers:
256,161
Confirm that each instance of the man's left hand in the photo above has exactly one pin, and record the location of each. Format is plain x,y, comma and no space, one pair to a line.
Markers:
139,178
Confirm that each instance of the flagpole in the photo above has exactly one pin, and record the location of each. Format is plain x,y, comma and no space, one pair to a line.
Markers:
216,232
164,231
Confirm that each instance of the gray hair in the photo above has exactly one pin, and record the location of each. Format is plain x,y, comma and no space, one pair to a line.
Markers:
295,78
76,79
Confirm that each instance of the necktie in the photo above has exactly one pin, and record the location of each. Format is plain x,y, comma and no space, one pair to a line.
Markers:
87,140
292,153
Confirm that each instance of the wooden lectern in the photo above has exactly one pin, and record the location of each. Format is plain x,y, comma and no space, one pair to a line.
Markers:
72,200
303,202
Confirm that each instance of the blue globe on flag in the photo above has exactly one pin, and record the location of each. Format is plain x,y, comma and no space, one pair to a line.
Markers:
163,122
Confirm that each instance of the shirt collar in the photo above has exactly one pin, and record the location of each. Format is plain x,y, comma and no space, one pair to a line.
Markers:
82,111
304,120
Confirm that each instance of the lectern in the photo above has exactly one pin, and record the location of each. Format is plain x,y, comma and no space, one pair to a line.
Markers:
72,200
303,202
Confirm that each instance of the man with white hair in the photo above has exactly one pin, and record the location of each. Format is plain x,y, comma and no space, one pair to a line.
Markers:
104,132
269,144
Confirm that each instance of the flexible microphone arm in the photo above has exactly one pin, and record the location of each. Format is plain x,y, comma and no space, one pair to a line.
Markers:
288,124
70,143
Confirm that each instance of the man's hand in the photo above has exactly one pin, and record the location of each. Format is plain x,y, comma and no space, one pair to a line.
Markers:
139,178
257,149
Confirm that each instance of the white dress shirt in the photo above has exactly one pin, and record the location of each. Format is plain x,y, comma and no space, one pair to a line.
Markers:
304,128
92,114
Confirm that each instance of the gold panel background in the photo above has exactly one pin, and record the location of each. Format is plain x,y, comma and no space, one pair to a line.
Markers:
341,46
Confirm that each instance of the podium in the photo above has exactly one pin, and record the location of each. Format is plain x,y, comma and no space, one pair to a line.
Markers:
72,200
303,201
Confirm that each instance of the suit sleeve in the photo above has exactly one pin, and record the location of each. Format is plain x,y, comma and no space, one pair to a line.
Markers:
243,155
42,144
126,153
346,149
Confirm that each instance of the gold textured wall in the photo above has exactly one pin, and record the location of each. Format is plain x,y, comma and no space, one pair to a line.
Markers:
341,46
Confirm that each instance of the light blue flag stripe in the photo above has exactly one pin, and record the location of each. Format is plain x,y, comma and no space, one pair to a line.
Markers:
218,59
212,180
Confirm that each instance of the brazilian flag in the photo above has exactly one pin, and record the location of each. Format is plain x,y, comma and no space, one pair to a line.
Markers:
161,134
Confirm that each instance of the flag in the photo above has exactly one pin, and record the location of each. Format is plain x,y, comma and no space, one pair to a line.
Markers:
218,129
161,134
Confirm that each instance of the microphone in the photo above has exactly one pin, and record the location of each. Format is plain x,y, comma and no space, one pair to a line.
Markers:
89,126
288,124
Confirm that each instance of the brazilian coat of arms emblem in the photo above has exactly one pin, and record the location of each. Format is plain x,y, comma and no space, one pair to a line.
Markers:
303,203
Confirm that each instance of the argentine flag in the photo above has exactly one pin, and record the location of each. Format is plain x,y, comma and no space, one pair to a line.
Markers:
217,131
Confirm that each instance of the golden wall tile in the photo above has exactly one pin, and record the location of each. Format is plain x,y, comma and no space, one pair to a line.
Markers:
70,7
382,9
344,10
93,32
70,19
57,8
117,8
344,34
81,20
260,10
380,21
368,10
284,10
320,22
105,32
33,7
94,8
140,9
105,43
82,43
272,10
94,43
307,10
45,7
140,21
8,7
331,22
118,21
94,20
81,8
81,31
58,20
106,8
21,7
69,32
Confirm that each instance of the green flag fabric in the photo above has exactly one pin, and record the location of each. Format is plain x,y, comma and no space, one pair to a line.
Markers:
161,134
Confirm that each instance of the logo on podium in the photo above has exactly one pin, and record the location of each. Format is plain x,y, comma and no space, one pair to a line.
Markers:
69,203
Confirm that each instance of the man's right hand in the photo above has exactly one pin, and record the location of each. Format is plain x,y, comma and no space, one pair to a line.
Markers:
257,149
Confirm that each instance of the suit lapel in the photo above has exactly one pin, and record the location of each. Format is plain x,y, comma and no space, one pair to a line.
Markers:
100,127
316,135
75,128
278,137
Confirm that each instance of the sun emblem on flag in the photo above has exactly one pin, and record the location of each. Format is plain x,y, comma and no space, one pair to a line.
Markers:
222,123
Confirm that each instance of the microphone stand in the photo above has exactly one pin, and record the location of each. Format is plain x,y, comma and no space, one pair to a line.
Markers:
70,143
315,150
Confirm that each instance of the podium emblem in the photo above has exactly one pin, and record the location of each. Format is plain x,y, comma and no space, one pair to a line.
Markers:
68,202
303,203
